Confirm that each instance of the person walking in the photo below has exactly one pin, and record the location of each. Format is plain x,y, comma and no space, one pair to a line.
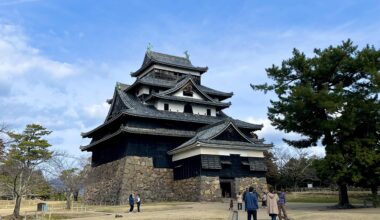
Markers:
251,204
272,199
239,199
138,202
281,205
131,203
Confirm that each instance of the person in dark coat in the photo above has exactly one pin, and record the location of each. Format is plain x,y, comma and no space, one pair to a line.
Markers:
138,202
131,203
251,204
244,193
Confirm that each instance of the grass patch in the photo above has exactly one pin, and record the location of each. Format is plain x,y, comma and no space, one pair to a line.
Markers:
326,197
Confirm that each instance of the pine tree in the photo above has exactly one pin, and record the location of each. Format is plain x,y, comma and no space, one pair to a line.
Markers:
322,98
27,151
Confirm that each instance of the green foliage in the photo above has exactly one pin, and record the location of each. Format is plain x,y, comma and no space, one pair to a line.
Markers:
28,147
272,174
20,162
333,98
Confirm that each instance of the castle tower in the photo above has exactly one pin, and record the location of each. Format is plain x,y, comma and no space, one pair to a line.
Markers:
166,137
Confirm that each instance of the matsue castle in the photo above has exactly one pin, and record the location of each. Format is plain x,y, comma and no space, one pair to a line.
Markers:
166,137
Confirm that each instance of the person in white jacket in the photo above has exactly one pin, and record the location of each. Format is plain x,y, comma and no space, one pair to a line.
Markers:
272,199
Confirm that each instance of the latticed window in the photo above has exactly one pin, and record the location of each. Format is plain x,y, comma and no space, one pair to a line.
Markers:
211,162
188,91
257,164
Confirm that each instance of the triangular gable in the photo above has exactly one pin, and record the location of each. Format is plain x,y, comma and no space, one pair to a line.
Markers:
231,133
147,59
186,83
116,107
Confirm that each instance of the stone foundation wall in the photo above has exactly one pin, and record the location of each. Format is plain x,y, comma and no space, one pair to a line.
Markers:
210,189
153,184
259,184
187,189
104,183
112,183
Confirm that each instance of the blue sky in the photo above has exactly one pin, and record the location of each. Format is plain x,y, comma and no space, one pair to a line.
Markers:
60,60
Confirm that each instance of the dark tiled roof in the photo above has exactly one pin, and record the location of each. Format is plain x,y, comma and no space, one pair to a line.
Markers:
150,81
142,110
138,109
215,92
181,84
149,131
166,59
184,99
206,135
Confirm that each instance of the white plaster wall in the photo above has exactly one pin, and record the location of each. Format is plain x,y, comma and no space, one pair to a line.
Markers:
217,151
159,105
143,90
202,110
179,107
173,107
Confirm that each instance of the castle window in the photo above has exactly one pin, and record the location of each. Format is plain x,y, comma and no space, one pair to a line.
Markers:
188,91
208,111
166,107
188,108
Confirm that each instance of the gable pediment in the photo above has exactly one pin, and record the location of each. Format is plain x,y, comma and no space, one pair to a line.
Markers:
231,133
187,88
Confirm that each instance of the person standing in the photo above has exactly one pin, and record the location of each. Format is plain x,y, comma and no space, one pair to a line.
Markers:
281,205
264,200
251,204
245,193
131,202
272,199
231,204
138,202
239,199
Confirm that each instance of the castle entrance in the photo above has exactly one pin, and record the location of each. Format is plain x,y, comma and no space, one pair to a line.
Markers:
227,186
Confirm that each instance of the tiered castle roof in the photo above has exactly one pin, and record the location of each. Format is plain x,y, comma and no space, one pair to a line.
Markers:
142,98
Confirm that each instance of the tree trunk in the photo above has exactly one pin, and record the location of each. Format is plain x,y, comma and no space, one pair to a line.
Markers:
76,195
16,210
68,200
375,200
343,197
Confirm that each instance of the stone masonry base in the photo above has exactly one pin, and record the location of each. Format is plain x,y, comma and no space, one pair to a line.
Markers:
112,183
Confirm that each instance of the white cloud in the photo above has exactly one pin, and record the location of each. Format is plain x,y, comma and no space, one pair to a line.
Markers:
68,140
18,57
97,110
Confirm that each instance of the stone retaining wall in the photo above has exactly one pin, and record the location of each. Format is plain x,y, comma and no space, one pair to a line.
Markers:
187,189
153,184
112,183
210,189
104,183
259,184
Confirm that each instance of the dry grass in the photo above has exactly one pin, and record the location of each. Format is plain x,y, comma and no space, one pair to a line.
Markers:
194,211
327,197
